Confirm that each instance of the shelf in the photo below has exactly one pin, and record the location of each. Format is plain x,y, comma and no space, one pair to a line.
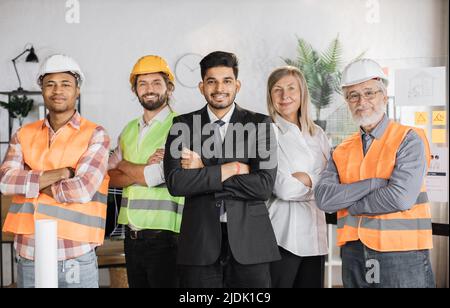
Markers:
20,92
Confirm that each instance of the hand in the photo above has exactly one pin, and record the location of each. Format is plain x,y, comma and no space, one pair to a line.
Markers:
65,173
51,177
130,173
229,170
242,169
48,191
191,160
304,178
156,158
123,165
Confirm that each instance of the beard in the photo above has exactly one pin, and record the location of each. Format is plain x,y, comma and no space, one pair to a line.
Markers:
59,108
372,119
222,105
153,104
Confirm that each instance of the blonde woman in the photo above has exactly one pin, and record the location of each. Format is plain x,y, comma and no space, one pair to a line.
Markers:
303,151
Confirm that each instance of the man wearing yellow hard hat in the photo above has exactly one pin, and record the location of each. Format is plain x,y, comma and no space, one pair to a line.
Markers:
151,215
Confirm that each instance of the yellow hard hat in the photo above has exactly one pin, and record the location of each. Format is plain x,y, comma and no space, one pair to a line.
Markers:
150,64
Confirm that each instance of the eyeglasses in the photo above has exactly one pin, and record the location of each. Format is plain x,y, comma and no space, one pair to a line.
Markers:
355,97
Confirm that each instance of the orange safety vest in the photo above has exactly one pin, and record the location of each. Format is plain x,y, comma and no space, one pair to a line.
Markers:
400,231
77,222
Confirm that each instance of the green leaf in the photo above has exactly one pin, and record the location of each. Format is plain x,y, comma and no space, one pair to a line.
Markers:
18,106
290,62
331,59
322,71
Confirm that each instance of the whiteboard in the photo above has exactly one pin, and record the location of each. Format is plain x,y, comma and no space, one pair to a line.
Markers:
420,87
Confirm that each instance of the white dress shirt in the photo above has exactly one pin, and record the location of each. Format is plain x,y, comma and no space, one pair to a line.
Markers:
223,130
226,119
299,225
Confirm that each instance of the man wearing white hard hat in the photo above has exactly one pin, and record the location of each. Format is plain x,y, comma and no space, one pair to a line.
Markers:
56,169
151,215
375,182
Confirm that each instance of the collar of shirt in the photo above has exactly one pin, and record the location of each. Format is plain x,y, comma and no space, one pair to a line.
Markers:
75,122
160,117
213,118
286,126
379,130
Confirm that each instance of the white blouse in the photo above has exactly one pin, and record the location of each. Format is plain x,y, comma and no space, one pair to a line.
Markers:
299,225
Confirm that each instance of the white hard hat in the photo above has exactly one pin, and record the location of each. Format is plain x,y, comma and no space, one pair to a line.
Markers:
362,70
60,64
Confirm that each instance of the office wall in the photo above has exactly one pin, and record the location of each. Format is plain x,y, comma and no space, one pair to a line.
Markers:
113,34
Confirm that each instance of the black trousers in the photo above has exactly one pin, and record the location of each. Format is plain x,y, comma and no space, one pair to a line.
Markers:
297,272
151,261
226,272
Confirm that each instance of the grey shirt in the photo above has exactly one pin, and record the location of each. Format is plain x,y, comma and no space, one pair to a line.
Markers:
377,196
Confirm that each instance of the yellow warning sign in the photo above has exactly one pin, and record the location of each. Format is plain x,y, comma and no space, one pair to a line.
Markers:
439,117
421,118
438,135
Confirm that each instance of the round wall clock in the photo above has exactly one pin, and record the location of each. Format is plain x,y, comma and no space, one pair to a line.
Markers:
187,70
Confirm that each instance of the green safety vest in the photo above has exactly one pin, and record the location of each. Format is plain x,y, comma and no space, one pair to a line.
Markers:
148,207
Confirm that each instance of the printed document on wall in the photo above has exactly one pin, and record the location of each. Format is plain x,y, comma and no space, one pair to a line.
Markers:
420,87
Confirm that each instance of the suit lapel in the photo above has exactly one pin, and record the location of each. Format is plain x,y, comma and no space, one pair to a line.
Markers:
205,120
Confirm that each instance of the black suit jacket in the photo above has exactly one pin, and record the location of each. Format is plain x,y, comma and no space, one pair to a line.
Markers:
251,236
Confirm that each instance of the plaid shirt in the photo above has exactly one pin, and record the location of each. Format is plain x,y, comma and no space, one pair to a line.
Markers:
17,179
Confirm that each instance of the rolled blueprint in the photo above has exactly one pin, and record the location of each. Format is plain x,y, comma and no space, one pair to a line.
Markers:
46,254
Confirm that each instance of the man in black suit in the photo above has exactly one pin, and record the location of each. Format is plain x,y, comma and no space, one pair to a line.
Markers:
222,158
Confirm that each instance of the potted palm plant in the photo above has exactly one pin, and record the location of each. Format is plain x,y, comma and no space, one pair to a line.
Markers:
322,72
18,107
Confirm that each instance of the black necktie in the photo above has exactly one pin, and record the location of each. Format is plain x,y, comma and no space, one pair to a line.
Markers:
218,141
220,123
218,138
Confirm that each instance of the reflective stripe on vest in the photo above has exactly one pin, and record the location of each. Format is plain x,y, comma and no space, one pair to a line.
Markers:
144,207
78,222
387,224
160,205
72,216
400,231
26,208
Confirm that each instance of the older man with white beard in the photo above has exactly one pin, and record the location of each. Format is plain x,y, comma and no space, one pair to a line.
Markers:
375,182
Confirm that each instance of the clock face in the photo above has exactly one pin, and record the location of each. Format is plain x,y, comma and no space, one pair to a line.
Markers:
187,70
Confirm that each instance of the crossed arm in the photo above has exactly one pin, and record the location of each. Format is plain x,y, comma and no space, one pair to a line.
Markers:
65,185
124,173
377,196
188,176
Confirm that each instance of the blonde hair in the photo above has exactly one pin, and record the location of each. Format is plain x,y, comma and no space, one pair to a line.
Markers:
305,120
